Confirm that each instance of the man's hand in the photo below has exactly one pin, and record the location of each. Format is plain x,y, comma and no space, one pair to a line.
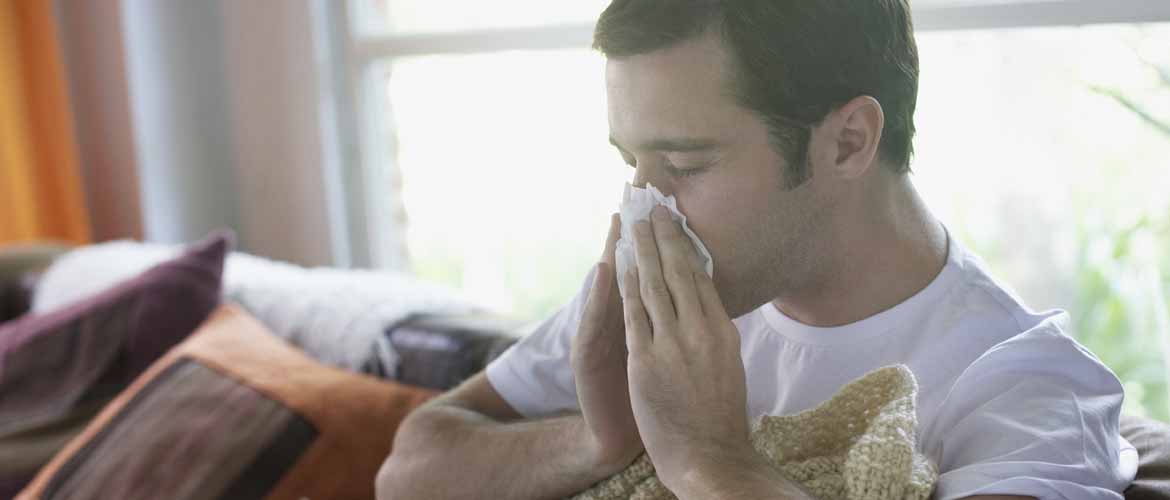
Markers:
599,369
686,374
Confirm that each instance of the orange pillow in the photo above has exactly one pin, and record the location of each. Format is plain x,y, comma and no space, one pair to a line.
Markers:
234,412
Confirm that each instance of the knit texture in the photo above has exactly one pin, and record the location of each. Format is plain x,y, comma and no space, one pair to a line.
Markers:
857,445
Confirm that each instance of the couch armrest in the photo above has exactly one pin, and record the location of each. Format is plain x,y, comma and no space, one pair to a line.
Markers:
13,302
20,269
1152,440
441,351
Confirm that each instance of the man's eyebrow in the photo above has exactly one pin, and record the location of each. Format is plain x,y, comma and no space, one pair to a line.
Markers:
683,144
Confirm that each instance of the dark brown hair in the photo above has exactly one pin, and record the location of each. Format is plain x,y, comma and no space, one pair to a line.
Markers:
794,61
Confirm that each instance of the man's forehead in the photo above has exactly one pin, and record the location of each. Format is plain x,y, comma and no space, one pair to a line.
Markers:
670,144
682,62
668,101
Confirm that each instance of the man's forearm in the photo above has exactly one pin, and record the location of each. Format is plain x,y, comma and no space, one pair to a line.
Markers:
449,452
737,477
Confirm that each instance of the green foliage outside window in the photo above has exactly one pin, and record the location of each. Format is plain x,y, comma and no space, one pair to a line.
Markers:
1122,311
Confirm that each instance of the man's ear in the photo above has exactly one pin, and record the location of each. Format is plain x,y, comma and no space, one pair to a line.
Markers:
855,129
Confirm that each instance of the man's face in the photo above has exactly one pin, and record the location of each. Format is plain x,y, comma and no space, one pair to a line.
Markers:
670,109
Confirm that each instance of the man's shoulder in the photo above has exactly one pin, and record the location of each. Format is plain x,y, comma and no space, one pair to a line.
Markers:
988,331
1036,406
1043,357
1045,346
980,290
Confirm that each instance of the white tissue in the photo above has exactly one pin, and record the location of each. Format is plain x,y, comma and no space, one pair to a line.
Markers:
636,206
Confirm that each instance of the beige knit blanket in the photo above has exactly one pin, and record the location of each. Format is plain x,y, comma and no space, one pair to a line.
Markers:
857,445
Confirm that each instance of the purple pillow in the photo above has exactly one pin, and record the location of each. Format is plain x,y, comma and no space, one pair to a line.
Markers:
58,367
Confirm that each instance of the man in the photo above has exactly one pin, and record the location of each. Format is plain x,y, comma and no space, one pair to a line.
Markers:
784,129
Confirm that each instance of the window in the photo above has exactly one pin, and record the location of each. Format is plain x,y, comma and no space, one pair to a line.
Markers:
431,16
1039,145
1029,158
505,189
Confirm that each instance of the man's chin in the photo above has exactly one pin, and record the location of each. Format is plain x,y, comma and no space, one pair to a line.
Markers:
738,305
740,300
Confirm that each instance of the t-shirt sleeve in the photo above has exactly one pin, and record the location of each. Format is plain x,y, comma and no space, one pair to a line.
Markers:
534,376
1037,415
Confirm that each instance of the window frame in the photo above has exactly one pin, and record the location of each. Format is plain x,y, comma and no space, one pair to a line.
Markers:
366,144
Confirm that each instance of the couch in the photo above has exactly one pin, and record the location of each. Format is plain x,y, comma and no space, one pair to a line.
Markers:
436,340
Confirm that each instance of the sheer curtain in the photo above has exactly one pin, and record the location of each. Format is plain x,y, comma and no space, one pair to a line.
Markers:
198,115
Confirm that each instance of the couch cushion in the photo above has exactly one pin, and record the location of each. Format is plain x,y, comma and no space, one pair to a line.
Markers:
234,412
59,368
1152,440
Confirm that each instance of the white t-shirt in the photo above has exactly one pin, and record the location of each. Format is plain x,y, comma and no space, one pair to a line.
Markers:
1007,403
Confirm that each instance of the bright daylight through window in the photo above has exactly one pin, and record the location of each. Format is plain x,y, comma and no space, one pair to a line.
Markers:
1046,150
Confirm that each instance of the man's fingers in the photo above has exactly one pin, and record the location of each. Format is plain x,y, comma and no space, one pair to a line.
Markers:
615,234
713,307
638,330
593,318
652,285
609,258
678,269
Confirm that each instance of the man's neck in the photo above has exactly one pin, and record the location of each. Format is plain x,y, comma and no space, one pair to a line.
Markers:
875,262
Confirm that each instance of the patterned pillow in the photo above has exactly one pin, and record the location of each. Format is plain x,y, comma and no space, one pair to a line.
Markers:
59,368
234,412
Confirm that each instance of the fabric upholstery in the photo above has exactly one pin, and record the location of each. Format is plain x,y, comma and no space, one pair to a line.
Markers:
59,367
234,413
1152,440
19,264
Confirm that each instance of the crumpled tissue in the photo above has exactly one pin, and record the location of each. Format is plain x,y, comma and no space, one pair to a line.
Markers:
636,206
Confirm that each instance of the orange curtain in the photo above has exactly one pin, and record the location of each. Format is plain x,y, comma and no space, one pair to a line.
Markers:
40,189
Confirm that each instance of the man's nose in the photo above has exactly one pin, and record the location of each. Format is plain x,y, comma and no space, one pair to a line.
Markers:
645,174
